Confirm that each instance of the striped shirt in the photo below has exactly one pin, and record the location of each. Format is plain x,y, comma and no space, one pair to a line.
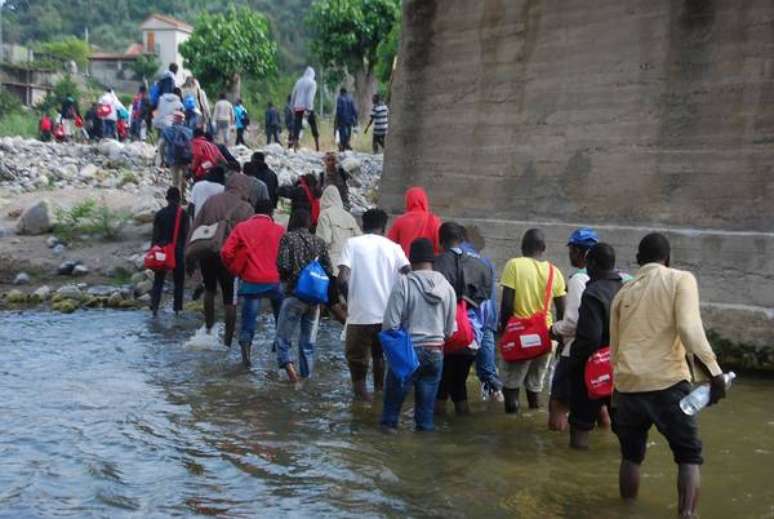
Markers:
380,114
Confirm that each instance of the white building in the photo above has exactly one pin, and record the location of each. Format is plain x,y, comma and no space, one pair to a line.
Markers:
162,36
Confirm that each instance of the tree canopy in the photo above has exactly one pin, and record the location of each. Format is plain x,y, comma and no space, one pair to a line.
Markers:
68,48
145,66
224,47
347,33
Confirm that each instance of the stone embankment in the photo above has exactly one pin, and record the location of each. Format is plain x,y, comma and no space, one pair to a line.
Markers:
40,183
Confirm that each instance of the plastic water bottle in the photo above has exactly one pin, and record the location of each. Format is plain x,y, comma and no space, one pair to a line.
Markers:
698,399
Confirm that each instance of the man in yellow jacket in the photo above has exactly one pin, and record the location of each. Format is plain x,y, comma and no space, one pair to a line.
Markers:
655,325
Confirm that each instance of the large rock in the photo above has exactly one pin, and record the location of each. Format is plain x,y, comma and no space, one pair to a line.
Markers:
144,211
88,171
69,292
22,278
35,220
111,149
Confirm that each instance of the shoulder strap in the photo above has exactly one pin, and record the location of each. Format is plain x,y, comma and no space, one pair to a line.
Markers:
549,288
461,285
177,226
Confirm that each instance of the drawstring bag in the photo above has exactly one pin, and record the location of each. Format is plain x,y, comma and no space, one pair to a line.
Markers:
598,374
400,353
527,338
312,285
160,258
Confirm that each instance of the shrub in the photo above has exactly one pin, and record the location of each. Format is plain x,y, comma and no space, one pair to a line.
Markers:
89,217
9,103
23,124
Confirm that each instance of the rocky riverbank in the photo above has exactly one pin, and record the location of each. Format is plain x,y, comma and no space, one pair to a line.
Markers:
44,188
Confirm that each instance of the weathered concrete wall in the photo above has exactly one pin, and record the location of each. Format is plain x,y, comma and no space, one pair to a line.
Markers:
625,115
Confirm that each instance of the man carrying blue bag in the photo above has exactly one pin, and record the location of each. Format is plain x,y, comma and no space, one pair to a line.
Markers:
423,306
304,268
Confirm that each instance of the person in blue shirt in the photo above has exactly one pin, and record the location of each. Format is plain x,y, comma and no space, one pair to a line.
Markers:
240,120
345,119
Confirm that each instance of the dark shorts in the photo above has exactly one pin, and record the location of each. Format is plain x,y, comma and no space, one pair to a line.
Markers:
560,384
584,412
214,273
299,124
333,292
362,344
635,413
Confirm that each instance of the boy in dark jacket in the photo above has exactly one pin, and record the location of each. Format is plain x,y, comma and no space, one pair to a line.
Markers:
591,334
163,234
272,123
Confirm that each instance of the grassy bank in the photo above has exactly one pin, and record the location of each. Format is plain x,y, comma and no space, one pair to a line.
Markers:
23,124
256,138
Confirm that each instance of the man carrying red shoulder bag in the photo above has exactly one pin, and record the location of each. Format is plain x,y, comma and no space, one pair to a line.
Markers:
170,226
529,285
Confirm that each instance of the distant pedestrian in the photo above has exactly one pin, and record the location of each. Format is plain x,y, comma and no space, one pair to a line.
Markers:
335,175
223,115
416,222
258,168
241,121
167,82
177,149
45,127
303,104
250,253
191,89
289,121
369,267
272,124
380,116
423,304
345,118
70,113
164,233
205,155
298,248
141,111
525,282
107,110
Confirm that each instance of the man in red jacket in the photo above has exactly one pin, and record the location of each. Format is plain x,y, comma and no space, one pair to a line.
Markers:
250,253
417,222
206,155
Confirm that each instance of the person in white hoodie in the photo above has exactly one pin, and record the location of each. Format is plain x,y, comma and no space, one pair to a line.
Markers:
110,100
302,101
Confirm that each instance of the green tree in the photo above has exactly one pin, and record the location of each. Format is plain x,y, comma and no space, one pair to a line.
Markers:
387,52
145,66
347,33
225,47
67,48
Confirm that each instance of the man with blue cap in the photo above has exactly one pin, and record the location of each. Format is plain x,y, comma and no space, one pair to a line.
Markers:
580,242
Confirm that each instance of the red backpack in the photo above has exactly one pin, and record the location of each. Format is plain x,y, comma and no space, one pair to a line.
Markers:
45,124
160,258
599,374
526,338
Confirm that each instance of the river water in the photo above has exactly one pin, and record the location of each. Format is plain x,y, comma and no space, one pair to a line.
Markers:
112,414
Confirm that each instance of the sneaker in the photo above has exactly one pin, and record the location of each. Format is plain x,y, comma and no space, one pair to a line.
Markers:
485,393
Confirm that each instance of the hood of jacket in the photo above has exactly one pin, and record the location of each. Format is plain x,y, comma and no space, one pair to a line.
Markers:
309,73
331,198
240,185
429,283
416,200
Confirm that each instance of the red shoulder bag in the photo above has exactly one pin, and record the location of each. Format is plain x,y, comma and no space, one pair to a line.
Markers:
526,338
599,374
160,258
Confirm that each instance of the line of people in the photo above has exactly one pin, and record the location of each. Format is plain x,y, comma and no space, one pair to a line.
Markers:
425,277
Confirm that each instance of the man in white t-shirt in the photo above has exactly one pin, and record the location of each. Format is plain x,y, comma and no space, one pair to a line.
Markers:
369,266
212,184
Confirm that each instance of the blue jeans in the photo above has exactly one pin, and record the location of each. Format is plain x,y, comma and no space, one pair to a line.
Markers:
108,129
345,134
425,379
293,314
486,368
251,303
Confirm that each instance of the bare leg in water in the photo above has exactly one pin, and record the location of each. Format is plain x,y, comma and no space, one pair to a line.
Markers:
629,479
228,336
688,483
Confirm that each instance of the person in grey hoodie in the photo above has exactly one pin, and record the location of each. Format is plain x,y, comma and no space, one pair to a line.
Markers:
425,305
302,101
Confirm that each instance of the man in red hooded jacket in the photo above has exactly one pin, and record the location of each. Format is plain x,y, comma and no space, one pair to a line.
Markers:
417,222
205,155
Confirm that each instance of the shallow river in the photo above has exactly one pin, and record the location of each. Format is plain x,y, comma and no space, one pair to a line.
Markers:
110,414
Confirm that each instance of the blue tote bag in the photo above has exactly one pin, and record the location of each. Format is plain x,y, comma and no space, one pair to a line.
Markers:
312,285
400,353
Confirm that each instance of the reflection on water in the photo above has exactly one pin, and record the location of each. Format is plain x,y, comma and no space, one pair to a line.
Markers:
109,414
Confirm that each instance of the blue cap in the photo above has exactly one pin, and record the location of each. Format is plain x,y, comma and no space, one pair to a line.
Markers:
584,237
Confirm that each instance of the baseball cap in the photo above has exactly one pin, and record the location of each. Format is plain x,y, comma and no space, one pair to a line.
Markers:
584,237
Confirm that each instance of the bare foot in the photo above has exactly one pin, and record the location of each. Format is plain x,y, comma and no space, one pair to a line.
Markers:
292,375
